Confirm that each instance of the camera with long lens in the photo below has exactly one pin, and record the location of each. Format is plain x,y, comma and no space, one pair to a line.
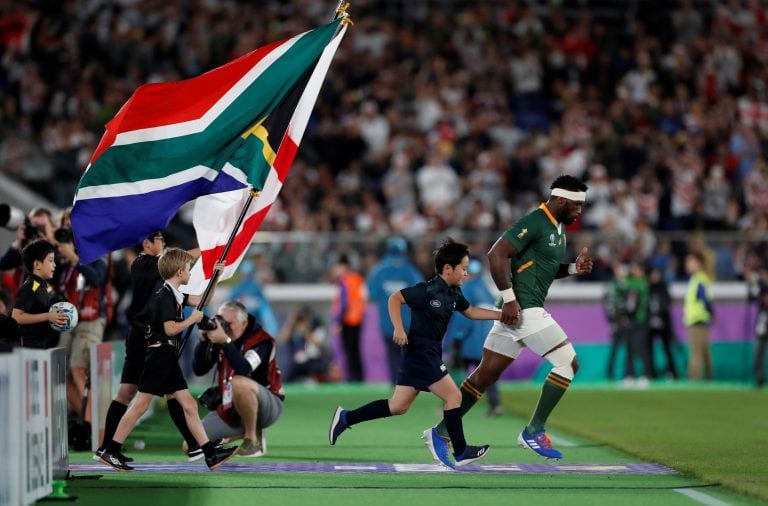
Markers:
207,324
63,235
12,218
31,232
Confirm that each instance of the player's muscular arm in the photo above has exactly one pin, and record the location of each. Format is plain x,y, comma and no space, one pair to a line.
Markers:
498,261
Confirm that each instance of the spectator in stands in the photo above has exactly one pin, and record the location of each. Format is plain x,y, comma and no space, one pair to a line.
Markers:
666,100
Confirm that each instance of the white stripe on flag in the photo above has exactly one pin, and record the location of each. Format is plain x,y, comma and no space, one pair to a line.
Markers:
146,185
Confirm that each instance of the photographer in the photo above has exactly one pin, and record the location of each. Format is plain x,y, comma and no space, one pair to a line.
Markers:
85,286
38,224
247,378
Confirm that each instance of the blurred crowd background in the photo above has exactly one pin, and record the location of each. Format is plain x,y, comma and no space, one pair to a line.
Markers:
439,118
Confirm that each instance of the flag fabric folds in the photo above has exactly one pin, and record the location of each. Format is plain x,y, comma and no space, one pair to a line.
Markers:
281,132
219,135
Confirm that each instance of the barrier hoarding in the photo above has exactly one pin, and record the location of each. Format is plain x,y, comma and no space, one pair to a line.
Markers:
11,434
101,390
36,430
59,435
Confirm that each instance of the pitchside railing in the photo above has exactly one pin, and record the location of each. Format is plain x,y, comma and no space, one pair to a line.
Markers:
33,421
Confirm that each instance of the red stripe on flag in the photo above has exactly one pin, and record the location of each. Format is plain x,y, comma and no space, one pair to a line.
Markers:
285,157
159,104
240,243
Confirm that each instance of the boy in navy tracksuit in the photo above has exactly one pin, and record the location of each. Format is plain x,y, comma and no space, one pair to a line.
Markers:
432,303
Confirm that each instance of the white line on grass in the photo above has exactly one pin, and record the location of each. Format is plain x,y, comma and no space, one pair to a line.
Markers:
701,497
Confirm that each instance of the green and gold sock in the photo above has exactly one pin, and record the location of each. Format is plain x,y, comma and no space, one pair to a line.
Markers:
551,393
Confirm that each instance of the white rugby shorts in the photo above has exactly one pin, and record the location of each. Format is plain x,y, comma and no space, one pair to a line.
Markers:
536,330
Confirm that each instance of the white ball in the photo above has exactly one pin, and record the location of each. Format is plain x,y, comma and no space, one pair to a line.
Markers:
70,310
139,444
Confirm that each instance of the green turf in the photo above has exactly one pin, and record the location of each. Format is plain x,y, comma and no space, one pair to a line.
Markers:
628,420
717,434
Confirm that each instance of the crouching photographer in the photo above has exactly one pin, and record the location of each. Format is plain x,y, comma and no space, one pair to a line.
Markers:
247,378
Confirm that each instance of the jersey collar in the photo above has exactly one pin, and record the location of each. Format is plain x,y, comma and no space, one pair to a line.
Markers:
176,293
556,223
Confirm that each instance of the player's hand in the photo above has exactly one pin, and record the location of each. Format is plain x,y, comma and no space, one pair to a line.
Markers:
219,266
400,338
584,262
510,313
196,316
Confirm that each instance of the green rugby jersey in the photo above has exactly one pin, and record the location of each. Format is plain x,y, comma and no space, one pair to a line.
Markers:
540,243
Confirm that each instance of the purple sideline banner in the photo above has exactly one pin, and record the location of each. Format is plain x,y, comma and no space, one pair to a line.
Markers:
584,324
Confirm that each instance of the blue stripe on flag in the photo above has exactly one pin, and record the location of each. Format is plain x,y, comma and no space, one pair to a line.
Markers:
102,225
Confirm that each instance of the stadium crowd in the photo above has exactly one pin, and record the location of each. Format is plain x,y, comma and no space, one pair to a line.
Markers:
442,115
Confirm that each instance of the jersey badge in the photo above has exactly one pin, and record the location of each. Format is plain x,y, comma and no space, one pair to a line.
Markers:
552,240
435,303
522,233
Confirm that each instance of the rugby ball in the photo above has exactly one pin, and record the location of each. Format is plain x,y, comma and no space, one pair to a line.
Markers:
70,310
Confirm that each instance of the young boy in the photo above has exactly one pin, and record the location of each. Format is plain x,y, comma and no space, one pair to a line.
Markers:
145,281
32,309
421,368
162,374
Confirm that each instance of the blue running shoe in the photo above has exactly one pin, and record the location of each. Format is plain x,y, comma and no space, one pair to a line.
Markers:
338,425
540,443
438,447
471,454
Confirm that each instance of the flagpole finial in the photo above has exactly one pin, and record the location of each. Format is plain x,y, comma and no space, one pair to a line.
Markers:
255,192
341,12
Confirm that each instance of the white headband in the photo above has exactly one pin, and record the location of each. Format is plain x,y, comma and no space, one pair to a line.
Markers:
570,195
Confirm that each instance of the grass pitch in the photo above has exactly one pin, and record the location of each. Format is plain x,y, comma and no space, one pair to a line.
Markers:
715,437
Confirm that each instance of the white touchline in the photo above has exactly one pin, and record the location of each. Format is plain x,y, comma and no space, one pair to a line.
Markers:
701,497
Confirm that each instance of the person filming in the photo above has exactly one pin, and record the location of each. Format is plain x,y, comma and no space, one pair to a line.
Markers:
247,377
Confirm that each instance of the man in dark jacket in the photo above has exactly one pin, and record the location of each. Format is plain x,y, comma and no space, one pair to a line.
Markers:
660,321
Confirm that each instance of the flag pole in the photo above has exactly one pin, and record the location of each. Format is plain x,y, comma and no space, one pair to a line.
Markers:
216,273
340,11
